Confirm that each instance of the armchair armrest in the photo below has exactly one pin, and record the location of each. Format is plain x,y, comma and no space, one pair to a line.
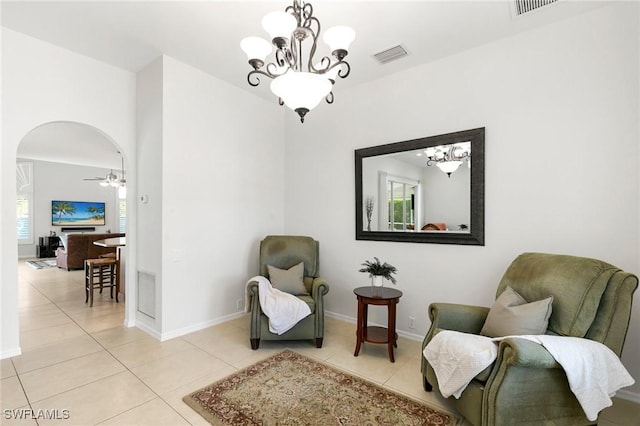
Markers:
254,300
525,353
451,316
546,393
319,288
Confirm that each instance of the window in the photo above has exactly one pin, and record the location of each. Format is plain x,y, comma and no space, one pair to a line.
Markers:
24,202
401,196
24,215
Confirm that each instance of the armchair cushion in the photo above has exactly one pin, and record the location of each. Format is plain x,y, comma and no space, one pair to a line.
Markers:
288,280
511,315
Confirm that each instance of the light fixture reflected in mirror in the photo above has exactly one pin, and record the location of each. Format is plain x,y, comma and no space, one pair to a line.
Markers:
448,157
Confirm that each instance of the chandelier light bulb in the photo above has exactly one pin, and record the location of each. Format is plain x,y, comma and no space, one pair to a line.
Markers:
279,25
256,48
449,166
301,91
339,39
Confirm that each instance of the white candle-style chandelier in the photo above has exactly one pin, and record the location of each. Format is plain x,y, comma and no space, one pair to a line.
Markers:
449,157
299,81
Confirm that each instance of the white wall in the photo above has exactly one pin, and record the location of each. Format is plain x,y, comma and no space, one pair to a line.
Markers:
57,181
560,107
149,231
42,83
222,192
447,199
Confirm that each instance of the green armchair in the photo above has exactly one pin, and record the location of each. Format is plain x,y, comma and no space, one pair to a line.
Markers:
525,385
283,252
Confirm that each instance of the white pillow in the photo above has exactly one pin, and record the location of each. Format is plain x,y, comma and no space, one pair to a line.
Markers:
288,280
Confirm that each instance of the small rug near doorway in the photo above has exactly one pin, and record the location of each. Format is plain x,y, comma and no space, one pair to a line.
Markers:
291,389
41,264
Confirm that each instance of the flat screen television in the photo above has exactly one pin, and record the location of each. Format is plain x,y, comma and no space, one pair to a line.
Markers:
77,213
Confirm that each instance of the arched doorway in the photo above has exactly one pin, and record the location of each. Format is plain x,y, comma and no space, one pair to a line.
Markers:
70,161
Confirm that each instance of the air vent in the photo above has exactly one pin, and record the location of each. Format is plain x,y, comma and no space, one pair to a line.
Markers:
391,54
520,7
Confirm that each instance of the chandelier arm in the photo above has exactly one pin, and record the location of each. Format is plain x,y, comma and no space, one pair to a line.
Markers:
307,11
254,80
315,33
272,70
323,66
329,98
344,70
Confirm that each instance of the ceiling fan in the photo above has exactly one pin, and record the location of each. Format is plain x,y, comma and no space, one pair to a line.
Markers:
111,179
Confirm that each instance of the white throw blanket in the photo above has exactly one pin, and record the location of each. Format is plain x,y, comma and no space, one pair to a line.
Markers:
594,371
284,310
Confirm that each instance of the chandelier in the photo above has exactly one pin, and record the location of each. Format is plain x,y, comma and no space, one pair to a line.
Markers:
449,157
299,81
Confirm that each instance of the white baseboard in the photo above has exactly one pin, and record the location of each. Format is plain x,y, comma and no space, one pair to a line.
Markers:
147,329
11,353
352,320
201,326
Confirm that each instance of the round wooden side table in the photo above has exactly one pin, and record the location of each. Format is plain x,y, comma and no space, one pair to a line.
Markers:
373,334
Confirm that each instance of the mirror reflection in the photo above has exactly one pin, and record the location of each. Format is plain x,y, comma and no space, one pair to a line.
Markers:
424,190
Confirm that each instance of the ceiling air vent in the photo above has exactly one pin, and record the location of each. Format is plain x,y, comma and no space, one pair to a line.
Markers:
520,7
391,54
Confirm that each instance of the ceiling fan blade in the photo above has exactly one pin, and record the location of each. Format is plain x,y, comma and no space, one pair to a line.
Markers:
95,178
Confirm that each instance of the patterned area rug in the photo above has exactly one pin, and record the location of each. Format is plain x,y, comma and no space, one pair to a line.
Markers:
291,389
41,264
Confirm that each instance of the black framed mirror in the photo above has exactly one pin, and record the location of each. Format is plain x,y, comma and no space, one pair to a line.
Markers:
427,190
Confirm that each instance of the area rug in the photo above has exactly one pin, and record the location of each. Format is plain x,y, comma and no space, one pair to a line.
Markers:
41,264
291,389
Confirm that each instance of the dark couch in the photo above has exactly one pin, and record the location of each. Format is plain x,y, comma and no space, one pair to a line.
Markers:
80,247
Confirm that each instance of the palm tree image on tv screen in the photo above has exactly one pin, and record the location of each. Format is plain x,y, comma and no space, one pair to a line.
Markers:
83,213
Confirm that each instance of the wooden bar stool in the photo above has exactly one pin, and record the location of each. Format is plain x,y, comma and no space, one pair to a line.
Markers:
100,273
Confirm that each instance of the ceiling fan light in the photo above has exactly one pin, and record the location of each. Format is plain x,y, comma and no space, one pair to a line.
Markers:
301,89
339,38
279,25
104,183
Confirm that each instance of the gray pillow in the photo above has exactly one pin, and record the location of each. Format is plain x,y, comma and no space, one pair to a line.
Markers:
511,315
288,280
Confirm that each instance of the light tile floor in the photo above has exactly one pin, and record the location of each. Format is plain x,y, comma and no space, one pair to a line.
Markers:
85,361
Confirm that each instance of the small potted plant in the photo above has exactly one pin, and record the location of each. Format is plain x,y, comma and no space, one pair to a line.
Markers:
377,271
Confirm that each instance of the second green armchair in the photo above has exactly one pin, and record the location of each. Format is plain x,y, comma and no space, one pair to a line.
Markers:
283,252
525,385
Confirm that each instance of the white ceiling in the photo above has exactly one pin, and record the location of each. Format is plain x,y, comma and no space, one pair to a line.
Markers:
206,34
